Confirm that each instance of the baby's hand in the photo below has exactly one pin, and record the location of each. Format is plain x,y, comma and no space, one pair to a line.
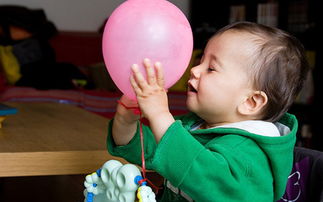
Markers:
128,109
128,102
150,92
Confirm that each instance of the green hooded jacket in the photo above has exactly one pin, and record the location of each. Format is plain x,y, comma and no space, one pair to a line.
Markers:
217,164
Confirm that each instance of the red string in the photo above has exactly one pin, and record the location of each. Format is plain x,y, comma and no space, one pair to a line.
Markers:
142,181
154,186
136,110
142,149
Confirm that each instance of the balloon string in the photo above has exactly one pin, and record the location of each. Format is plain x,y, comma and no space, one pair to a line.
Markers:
137,111
142,148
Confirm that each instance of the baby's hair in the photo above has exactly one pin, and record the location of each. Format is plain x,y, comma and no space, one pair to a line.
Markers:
279,68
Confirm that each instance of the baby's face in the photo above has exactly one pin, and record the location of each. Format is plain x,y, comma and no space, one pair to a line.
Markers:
221,82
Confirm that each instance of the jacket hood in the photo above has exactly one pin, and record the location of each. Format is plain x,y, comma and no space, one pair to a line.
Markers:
273,147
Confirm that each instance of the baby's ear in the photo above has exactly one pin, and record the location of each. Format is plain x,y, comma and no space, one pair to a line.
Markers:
253,104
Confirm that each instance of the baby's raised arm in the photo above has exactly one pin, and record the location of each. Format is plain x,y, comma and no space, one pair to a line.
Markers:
152,97
125,122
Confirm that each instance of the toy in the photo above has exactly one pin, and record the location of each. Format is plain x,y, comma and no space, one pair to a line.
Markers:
116,182
4,111
154,29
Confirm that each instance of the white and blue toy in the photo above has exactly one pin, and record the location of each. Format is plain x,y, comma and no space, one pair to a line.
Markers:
115,182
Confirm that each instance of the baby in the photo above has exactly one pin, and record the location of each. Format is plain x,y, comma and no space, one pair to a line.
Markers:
237,142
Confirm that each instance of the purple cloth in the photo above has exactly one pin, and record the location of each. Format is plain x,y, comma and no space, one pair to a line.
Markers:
298,182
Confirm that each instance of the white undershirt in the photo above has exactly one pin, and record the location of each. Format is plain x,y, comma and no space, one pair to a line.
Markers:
258,127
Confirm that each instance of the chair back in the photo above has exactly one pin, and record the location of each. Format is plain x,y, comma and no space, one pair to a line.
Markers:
305,182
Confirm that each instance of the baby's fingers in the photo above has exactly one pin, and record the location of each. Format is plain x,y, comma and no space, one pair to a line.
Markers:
151,77
138,77
135,86
160,74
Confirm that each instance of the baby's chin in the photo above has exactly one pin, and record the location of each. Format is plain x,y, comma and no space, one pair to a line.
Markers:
190,107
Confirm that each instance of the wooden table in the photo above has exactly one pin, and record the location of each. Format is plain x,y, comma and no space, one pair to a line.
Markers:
52,139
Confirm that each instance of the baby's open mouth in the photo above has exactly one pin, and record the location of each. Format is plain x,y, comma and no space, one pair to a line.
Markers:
191,88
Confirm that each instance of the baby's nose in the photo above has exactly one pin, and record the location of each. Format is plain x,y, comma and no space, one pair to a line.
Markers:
195,72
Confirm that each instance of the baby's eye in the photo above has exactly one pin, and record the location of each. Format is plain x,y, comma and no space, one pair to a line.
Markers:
211,69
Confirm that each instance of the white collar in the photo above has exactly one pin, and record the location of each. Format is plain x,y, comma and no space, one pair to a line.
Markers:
258,127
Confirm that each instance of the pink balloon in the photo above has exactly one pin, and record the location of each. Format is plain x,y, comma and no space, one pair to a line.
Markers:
154,29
